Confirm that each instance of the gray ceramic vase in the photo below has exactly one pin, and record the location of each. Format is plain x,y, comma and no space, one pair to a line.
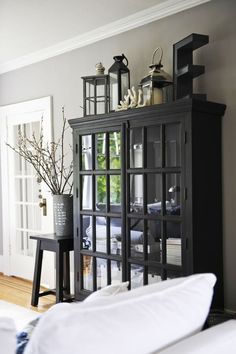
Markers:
63,214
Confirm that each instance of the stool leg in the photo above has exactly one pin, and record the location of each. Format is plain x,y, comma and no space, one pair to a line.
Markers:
37,275
66,273
59,274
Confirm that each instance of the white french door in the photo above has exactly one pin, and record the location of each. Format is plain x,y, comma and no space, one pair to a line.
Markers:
21,192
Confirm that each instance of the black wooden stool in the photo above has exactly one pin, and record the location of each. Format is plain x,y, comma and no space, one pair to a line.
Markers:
61,245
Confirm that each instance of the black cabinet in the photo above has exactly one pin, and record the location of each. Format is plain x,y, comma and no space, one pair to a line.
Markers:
147,203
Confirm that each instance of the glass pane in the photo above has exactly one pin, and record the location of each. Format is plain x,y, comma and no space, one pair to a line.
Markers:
19,216
154,240
87,192
113,91
90,106
116,272
136,148
136,238
172,144
19,242
124,84
101,235
100,141
35,126
136,193
19,189
115,235
173,243
101,190
87,232
114,150
18,164
154,275
32,217
86,152
154,193
87,272
101,273
153,146
136,276
31,190
173,202
115,189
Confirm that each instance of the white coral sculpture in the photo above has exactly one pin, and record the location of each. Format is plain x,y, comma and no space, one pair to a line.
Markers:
133,100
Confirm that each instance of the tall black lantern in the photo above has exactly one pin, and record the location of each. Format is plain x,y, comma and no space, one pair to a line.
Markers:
96,92
157,85
119,80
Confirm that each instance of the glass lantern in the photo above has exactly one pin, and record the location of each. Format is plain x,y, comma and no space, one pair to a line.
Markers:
157,86
119,80
96,92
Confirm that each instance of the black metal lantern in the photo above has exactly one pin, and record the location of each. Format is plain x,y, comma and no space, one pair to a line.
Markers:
157,85
96,92
119,80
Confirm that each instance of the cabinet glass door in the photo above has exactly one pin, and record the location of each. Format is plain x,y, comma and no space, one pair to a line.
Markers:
100,211
154,198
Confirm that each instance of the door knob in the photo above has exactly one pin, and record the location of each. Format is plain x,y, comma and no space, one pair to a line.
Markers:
43,204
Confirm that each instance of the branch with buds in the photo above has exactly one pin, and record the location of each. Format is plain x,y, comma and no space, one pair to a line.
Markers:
47,159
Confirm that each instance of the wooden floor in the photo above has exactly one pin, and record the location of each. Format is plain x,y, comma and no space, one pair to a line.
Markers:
18,291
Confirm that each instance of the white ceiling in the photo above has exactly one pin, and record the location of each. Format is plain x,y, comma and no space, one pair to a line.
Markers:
34,30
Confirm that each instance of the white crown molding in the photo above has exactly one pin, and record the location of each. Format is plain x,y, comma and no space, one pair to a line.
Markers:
154,13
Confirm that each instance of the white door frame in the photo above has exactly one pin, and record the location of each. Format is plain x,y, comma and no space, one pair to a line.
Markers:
37,105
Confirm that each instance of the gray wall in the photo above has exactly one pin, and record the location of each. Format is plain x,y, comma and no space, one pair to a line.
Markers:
60,77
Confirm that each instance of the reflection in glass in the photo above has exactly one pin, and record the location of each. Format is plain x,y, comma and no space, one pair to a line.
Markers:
136,148
115,189
173,243
86,152
115,236
153,146
136,276
116,272
87,192
101,273
154,275
100,142
136,238
154,240
87,273
136,193
114,150
101,191
173,184
172,145
101,234
87,232
154,193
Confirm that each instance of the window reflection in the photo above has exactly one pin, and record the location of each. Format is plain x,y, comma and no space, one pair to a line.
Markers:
86,152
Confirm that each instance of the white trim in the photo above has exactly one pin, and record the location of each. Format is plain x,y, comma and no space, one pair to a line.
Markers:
154,13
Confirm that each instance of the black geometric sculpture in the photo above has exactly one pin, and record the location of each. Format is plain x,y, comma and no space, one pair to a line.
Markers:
184,70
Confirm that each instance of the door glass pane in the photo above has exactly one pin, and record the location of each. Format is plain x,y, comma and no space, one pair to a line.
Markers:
173,243
87,232
153,146
154,275
115,236
100,142
101,190
173,192
116,272
87,192
86,152
154,193
136,238
136,148
87,272
101,235
115,190
101,273
136,193
172,144
136,276
114,150
154,240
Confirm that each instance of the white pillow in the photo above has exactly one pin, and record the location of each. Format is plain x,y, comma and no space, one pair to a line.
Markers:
140,321
7,335
109,290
